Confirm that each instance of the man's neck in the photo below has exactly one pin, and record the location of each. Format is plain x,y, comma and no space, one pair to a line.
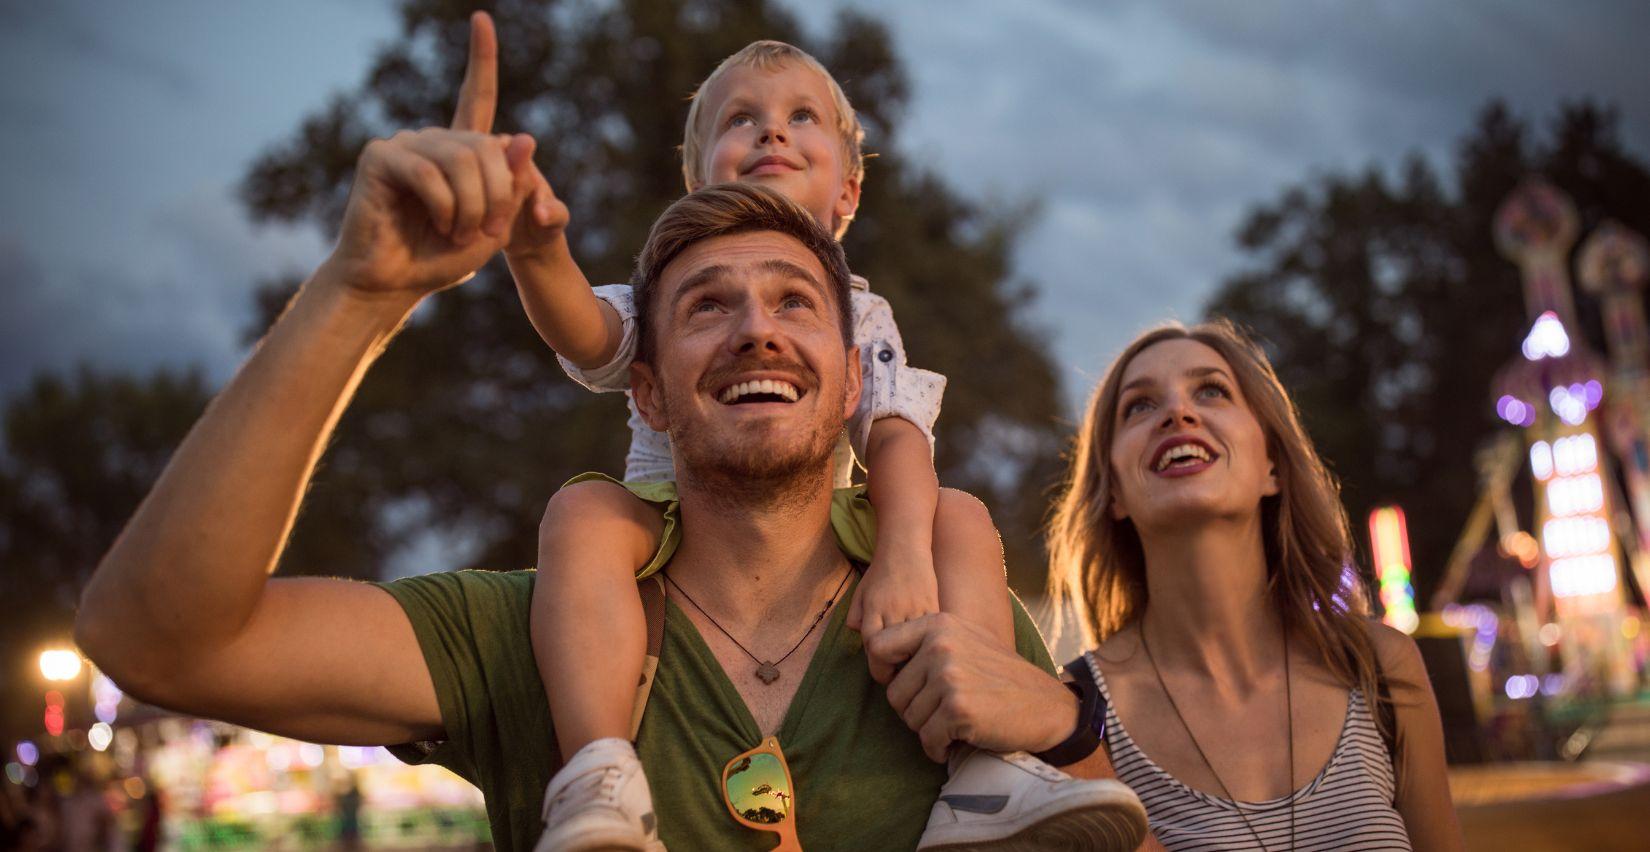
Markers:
757,564
757,576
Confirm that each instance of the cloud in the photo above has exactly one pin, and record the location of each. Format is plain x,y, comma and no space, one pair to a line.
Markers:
59,26
181,297
1148,129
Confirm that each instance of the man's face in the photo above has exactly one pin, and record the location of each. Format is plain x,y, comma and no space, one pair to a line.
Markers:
750,376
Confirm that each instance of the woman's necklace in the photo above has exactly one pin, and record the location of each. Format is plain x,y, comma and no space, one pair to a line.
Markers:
1289,704
767,671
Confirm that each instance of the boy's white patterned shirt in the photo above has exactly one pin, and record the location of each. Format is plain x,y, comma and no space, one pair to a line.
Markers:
892,388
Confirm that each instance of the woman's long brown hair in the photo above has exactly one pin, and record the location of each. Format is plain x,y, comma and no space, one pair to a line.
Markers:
1097,564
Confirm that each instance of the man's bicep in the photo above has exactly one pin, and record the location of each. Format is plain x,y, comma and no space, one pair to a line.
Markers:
325,660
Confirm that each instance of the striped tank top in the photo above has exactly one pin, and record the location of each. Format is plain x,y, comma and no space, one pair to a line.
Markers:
1348,806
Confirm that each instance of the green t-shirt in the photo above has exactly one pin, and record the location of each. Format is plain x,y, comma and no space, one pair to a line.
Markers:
862,780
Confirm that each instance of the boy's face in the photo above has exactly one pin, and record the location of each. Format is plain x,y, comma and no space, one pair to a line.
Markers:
779,128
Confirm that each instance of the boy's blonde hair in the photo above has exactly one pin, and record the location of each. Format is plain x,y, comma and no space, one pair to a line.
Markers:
769,55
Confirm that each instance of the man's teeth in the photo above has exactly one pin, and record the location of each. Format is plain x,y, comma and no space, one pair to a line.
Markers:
782,389
1181,452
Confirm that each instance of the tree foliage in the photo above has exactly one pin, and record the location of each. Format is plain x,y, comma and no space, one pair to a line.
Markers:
79,454
1387,310
466,425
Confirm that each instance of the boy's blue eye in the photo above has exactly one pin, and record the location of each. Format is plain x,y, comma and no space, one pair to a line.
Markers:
740,119
807,114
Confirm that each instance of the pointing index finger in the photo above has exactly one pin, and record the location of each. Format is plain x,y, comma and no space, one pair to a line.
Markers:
478,96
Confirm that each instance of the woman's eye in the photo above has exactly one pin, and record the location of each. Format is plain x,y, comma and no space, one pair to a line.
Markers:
1135,406
1214,390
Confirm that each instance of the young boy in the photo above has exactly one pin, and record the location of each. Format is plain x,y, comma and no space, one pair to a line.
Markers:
769,114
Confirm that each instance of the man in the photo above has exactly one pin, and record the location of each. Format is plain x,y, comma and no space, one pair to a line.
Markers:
183,614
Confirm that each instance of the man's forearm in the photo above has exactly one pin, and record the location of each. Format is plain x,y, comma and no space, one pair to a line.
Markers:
188,570
559,302
902,485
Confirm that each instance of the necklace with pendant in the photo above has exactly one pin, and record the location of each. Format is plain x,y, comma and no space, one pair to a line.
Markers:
766,670
1289,709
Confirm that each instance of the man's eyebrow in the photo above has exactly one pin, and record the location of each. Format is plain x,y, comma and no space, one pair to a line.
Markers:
787,269
699,279
773,266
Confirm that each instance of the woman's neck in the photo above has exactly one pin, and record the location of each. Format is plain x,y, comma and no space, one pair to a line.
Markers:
1209,608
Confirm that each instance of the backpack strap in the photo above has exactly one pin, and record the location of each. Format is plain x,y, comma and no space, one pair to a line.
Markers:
652,590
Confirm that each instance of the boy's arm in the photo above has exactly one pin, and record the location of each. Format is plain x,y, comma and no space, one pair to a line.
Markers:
903,487
578,326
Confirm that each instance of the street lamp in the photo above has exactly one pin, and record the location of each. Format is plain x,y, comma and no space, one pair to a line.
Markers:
59,664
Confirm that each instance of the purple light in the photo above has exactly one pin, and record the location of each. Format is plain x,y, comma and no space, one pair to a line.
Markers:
1513,410
1594,391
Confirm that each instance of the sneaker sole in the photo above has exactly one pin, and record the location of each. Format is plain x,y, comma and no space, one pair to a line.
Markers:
1118,823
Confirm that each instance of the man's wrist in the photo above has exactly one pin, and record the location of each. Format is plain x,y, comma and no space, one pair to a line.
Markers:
331,291
1088,731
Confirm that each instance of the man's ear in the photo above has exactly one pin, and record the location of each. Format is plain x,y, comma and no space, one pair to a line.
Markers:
852,384
847,202
645,390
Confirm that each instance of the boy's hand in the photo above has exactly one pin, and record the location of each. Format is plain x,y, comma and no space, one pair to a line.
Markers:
898,587
541,224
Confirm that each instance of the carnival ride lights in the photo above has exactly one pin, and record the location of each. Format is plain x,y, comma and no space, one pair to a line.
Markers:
58,664
1389,542
1547,338
1576,535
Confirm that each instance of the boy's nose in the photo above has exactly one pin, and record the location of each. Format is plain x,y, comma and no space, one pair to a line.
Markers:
773,134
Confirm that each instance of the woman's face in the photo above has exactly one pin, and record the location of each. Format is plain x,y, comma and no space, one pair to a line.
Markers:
1185,448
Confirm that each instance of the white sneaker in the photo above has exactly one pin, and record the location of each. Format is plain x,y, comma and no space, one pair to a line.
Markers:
600,801
1002,802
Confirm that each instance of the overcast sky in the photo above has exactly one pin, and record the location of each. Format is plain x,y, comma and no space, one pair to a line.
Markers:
1145,129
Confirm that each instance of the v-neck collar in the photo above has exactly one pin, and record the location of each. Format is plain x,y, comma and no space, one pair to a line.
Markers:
792,720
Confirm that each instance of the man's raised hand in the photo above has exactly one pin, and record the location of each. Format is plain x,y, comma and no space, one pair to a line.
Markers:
429,207
543,217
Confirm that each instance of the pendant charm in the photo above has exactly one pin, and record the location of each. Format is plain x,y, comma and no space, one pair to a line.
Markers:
768,672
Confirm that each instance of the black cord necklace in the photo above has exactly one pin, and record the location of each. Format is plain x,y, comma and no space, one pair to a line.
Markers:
767,671
1289,704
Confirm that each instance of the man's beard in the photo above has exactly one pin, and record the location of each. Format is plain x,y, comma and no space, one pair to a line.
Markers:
734,469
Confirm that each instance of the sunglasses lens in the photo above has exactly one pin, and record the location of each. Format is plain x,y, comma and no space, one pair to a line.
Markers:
759,790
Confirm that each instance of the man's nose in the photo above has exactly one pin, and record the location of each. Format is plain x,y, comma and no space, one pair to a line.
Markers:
756,332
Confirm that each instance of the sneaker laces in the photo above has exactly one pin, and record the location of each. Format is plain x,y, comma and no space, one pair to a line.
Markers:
598,786
1036,767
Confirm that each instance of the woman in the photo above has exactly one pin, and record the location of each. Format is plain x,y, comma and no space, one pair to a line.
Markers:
1203,543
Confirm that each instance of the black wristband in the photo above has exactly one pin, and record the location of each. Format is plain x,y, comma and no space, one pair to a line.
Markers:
1091,717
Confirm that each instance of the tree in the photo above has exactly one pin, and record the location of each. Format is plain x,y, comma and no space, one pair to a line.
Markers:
466,425
1387,310
79,454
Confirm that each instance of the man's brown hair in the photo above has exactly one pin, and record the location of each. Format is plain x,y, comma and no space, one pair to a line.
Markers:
723,210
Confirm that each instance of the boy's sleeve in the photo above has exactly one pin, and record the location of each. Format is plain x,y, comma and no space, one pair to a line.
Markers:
892,388
615,374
